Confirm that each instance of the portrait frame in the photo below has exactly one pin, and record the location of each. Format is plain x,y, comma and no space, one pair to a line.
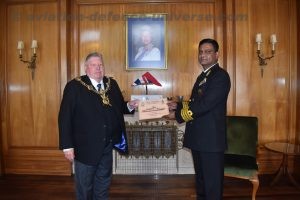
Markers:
146,41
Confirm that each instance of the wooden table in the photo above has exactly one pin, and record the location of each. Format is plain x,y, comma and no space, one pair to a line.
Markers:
286,149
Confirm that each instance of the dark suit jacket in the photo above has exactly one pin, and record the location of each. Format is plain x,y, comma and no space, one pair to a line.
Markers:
82,123
207,131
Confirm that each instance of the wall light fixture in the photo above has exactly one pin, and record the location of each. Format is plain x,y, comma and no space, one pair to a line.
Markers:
261,58
31,63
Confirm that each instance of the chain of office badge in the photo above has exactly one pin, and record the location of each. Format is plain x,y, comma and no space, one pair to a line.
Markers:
101,93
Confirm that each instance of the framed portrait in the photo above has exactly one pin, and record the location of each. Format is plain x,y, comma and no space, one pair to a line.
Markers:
146,41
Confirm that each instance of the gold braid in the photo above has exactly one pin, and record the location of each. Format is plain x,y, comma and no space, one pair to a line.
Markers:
185,112
101,93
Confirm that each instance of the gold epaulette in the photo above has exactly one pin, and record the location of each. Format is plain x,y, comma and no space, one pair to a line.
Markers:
186,113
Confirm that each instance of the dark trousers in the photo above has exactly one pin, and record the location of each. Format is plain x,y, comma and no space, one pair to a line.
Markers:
92,182
209,170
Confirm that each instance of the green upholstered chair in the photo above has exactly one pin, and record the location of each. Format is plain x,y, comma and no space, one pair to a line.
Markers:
240,157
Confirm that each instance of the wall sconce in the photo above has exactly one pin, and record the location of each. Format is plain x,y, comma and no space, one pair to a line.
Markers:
31,63
260,55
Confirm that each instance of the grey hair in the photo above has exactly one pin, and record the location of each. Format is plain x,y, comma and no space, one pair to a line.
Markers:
93,54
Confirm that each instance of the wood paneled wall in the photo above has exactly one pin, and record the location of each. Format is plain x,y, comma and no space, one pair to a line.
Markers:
272,97
297,161
29,108
108,36
2,57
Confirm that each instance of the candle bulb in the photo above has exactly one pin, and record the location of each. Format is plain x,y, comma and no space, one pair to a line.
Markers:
20,46
258,46
258,40
273,40
273,46
34,46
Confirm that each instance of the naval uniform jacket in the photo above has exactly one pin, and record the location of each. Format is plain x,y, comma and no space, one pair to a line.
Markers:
84,123
206,132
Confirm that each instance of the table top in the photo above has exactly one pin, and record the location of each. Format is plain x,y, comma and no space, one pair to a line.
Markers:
284,147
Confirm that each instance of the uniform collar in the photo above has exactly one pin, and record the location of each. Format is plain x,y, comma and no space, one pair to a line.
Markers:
205,71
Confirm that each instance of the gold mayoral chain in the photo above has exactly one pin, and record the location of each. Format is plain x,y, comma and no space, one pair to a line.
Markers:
101,93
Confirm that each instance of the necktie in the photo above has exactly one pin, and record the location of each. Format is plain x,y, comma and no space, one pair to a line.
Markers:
201,77
99,86
203,74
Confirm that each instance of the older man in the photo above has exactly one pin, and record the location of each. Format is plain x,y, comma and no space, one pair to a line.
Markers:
91,122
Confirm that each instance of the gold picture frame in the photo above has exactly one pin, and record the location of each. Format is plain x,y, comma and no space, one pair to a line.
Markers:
146,41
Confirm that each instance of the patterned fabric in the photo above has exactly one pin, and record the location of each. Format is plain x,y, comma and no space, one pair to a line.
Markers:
152,140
